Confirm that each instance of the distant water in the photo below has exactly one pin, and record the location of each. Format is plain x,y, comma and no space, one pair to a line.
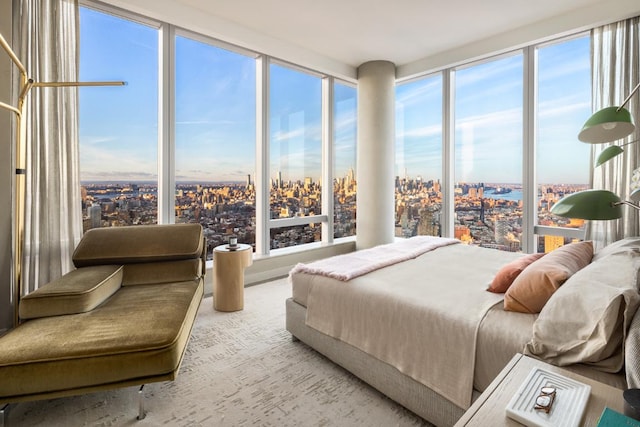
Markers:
514,195
116,195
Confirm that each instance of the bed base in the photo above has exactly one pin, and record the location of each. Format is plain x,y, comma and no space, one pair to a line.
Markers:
409,393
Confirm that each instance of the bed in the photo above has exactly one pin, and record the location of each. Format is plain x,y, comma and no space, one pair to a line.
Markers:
414,318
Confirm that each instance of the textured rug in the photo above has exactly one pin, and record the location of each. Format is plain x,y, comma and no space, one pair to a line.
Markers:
240,369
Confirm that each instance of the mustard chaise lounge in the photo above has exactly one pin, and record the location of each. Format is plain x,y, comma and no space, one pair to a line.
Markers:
122,318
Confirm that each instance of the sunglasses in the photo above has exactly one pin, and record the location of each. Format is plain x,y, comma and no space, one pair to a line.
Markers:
545,399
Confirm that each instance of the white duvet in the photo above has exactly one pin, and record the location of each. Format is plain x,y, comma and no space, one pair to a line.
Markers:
420,316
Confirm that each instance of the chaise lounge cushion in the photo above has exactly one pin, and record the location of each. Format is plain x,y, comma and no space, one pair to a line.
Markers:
162,272
148,243
79,291
104,346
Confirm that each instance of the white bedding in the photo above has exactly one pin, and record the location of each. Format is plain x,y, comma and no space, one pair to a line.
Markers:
420,316
355,264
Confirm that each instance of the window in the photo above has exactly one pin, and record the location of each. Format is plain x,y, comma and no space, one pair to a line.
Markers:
210,148
564,103
488,153
295,150
486,142
418,193
344,165
118,125
215,115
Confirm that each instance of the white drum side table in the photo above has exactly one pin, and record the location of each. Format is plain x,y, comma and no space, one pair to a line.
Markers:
228,266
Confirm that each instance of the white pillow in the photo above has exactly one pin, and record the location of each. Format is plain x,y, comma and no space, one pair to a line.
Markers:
587,319
622,245
632,353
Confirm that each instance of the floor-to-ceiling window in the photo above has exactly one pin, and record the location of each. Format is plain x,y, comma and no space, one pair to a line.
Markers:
295,164
215,114
511,148
344,160
118,125
181,142
488,153
563,104
418,192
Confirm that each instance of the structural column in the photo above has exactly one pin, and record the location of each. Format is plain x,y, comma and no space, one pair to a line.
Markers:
376,154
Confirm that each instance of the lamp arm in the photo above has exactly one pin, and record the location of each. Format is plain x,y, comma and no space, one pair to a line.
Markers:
25,90
77,84
629,143
635,89
10,108
12,55
625,202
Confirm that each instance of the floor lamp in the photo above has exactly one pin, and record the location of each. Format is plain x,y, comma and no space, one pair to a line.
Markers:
26,83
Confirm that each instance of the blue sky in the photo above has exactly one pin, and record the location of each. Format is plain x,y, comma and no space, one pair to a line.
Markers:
488,106
215,114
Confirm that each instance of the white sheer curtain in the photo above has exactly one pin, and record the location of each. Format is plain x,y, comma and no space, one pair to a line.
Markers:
53,222
615,59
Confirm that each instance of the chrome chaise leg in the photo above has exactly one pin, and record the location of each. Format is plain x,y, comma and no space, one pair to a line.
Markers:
141,412
4,415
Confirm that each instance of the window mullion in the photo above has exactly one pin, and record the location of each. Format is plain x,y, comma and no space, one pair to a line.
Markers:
448,145
262,156
166,128
529,120
327,158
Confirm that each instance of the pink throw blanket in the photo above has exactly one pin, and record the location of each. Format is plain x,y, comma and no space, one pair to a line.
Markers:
352,265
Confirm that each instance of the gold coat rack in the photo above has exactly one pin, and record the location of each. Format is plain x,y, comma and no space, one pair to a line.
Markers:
26,83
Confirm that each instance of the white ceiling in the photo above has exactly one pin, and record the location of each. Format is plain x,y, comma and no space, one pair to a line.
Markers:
419,36
401,31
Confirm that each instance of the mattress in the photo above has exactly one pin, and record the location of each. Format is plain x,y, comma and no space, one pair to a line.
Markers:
502,334
411,305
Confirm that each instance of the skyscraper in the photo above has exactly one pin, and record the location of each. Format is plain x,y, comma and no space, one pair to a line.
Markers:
94,212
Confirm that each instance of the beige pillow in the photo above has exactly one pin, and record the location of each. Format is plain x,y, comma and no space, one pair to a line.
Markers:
587,320
532,289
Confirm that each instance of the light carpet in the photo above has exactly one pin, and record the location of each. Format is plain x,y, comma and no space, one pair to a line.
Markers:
240,369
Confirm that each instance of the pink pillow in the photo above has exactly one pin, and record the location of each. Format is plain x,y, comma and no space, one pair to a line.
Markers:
508,273
531,290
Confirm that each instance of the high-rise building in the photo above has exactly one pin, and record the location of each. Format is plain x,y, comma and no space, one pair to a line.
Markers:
552,242
94,212
501,231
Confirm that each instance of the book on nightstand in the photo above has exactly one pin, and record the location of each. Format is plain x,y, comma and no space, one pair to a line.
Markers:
611,418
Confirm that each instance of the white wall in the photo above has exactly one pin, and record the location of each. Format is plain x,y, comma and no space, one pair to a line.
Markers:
6,313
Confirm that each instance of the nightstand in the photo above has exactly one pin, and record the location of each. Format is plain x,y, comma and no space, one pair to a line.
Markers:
489,408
